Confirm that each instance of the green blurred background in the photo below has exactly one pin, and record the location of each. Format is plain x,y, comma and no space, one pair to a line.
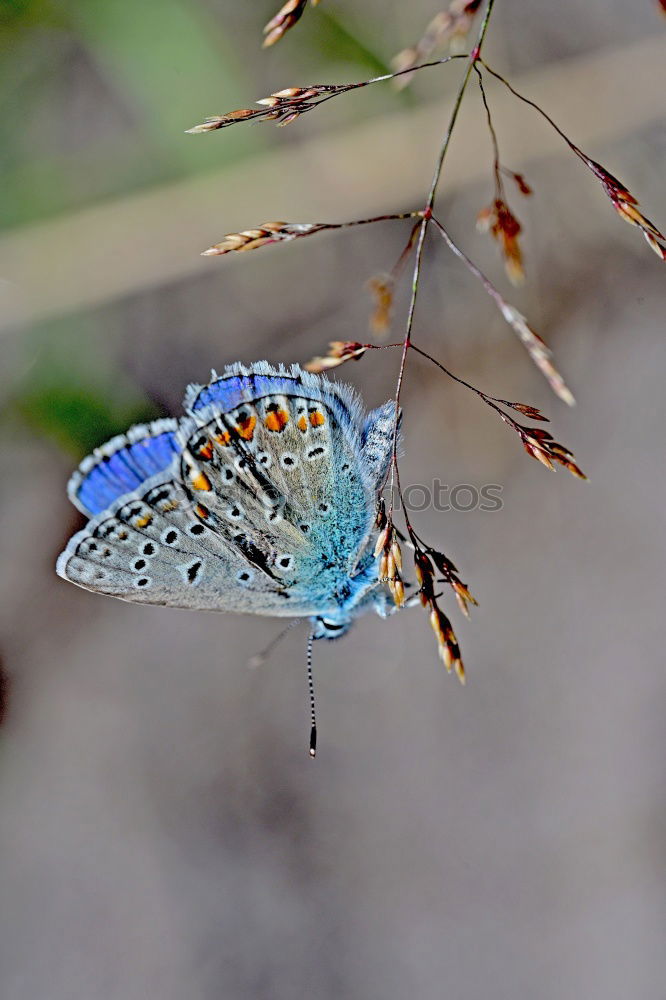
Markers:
163,832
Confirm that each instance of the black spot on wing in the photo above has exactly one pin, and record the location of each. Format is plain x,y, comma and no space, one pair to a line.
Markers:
253,554
193,571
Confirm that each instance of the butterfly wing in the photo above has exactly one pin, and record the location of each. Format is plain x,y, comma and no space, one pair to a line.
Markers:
152,547
377,436
122,464
269,494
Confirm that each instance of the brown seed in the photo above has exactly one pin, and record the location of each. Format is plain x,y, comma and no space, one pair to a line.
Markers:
382,539
398,591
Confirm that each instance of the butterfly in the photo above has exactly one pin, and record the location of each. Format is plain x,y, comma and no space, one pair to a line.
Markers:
261,499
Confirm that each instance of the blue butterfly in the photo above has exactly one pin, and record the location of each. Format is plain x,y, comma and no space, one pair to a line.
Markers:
261,499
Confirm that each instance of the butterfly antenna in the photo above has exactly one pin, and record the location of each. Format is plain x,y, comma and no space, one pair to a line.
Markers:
313,715
260,658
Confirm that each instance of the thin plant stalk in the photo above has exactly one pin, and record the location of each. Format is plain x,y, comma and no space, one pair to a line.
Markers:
472,59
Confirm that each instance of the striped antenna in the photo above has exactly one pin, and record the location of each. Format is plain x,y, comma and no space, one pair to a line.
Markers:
313,716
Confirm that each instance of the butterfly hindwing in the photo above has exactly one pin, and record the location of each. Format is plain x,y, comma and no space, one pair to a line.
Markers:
155,548
378,435
122,465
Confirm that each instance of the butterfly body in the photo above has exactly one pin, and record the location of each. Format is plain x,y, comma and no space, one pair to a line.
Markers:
261,499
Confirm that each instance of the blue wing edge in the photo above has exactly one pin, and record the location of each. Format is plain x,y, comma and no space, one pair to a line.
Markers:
122,464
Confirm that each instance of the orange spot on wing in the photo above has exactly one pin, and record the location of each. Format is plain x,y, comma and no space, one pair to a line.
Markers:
224,438
317,418
201,482
206,451
144,521
302,424
246,428
201,510
277,420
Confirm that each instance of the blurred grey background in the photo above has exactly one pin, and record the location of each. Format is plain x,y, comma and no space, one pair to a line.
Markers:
163,833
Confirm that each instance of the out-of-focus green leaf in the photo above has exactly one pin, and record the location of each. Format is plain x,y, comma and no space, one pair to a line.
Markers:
73,389
96,97
172,64
78,418
338,41
17,15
